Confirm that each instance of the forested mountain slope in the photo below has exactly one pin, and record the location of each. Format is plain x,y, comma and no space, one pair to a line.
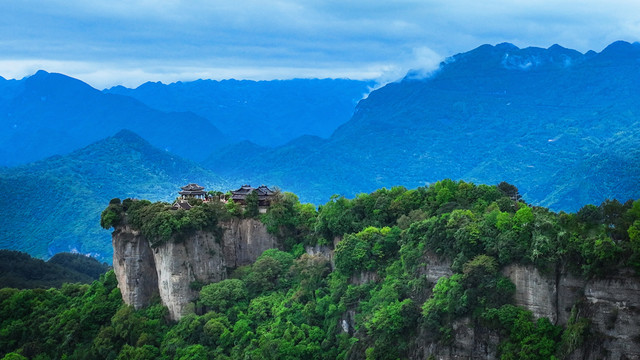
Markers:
453,270
562,125
21,271
54,205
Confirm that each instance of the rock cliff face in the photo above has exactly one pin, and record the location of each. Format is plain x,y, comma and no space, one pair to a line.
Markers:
611,303
172,269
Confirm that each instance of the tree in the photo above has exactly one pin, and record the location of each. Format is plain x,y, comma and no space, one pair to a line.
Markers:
251,209
224,294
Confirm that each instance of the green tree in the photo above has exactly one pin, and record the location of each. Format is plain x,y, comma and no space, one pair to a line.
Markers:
251,208
222,295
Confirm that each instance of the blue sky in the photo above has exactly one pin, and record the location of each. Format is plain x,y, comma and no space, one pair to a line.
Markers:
129,42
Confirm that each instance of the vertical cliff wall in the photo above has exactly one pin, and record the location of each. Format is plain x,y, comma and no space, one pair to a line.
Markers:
174,269
134,266
611,303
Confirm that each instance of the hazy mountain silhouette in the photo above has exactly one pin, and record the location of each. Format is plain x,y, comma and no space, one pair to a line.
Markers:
48,114
265,112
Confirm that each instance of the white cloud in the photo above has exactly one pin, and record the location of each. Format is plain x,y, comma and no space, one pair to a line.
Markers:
131,41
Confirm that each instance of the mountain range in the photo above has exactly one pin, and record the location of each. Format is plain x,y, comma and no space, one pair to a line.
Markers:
52,114
562,126
268,113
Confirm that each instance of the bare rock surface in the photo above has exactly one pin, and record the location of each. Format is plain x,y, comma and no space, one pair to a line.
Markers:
175,269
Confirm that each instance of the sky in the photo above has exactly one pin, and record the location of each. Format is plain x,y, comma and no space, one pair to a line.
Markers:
129,42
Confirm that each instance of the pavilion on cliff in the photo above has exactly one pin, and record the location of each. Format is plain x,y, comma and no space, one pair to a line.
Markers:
192,191
265,195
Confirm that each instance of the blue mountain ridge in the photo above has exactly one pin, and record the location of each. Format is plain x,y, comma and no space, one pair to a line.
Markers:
48,114
268,113
560,125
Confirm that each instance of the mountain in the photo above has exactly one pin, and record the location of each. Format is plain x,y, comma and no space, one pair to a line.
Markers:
52,114
19,270
54,205
267,113
562,126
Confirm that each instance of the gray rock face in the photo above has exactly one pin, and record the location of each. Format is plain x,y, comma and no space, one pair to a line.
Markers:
179,265
134,266
471,343
534,291
244,240
611,303
173,268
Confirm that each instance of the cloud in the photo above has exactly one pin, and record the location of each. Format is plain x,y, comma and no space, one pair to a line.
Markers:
122,39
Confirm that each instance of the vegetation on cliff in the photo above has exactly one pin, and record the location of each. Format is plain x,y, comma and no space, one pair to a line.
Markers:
375,301
160,222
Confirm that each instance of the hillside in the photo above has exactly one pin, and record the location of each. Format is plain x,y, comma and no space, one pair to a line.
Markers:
449,271
52,114
19,270
267,113
54,205
561,125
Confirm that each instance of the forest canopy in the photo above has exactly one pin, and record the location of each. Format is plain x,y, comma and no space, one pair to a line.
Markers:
372,300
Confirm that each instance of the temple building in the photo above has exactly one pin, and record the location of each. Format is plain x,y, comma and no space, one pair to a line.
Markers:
192,191
264,195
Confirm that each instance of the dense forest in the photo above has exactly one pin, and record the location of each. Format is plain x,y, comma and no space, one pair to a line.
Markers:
373,301
19,270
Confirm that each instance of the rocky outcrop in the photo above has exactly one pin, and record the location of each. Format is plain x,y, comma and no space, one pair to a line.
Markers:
471,342
613,306
244,240
134,266
534,291
176,269
611,303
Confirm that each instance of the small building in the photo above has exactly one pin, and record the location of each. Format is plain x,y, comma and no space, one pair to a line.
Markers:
181,204
265,195
192,191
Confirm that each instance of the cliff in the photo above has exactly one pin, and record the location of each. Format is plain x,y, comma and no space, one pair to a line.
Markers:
610,303
175,269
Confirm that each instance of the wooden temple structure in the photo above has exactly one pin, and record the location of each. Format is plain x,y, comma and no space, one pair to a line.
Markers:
264,195
192,191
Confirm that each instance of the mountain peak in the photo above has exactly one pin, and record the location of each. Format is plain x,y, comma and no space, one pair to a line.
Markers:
622,48
128,136
56,83
506,46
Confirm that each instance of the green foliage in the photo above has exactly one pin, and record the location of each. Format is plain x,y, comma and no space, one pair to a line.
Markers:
159,222
525,339
367,250
377,303
19,270
251,209
220,296
292,222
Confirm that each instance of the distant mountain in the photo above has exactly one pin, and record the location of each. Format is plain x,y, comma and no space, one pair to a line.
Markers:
562,126
267,113
54,205
19,270
48,114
